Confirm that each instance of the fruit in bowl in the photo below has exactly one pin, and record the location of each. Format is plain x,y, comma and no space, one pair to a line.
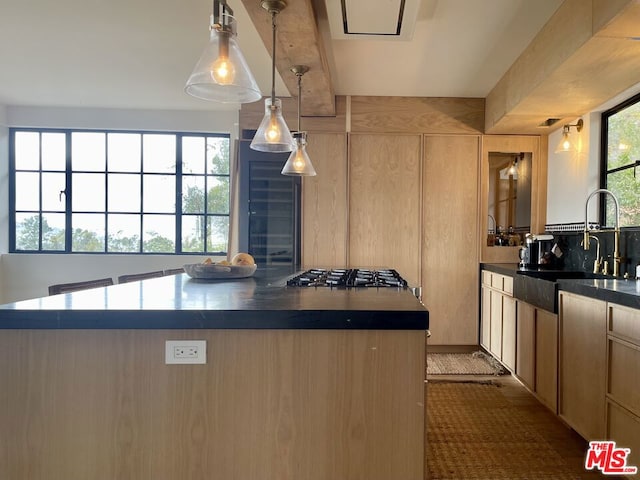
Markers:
242,259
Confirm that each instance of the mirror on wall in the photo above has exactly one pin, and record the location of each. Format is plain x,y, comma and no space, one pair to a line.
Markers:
509,197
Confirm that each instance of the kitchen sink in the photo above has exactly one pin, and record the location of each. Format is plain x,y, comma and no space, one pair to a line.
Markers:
540,287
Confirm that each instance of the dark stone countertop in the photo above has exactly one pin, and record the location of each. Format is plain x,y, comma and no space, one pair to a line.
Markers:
540,292
180,302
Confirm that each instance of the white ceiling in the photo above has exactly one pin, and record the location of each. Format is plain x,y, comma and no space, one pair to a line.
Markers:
139,53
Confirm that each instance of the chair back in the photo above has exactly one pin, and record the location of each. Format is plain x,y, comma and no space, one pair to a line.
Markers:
76,286
133,277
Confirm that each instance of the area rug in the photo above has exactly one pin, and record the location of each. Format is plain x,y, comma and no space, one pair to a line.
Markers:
483,430
476,363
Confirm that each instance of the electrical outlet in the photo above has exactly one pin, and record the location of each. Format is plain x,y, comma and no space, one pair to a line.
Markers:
185,351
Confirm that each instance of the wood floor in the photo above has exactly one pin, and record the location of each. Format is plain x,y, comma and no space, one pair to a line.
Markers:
514,438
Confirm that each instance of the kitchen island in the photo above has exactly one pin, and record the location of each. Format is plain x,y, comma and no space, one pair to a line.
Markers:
313,383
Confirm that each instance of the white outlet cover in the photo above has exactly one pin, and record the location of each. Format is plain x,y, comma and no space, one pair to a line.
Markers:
193,352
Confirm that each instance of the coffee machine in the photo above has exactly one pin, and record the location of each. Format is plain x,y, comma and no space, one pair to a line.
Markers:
537,252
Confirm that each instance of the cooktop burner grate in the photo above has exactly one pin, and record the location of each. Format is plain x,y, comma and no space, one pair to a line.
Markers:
348,277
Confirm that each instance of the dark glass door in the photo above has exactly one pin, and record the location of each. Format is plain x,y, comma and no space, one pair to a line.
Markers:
270,208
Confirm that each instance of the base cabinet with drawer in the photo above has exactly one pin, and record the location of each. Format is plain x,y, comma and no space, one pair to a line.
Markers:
623,379
498,322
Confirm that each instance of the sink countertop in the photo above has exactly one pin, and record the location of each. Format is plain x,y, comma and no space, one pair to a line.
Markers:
615,290
262,301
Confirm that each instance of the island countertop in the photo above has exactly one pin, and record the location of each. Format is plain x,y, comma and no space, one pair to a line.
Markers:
259,302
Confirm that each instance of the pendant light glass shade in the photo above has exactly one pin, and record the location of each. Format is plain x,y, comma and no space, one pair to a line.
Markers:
299,163
273,135
564,145
222,73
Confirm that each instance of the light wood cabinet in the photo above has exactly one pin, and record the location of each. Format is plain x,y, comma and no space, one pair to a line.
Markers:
324,203
499,317
526,344
623,379
583,364
449,242
384,203
546,355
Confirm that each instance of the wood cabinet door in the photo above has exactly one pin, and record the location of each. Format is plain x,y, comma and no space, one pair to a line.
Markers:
449,238
509,332
384,203
546,330
583,364
525,344
495,342
485,320
324,203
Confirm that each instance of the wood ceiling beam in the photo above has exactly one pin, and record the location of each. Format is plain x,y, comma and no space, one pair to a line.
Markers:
298,42
584,56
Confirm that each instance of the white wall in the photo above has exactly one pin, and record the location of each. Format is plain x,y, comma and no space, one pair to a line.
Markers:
574,175
25,276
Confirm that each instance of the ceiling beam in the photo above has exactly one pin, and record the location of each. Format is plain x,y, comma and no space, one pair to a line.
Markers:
585,55
298,42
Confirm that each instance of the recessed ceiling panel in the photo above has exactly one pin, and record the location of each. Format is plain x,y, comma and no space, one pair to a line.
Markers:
390,19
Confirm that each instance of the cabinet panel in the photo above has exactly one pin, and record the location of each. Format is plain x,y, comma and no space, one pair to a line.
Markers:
624,374
624,322
624,428
495,342
449,241
324,203
525,344
509,332
583,364
546,325
485,334
384,206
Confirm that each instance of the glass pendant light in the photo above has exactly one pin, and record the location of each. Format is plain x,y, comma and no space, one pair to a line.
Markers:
222,73
299,163
273,135
565,143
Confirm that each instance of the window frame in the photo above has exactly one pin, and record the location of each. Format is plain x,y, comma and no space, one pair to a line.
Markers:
68,212
604,157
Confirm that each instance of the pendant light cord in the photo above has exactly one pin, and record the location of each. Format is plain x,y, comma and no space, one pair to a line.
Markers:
273,57
299,97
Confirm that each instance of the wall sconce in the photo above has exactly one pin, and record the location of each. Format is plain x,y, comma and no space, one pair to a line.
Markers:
299,163
222,73
565,143
273,135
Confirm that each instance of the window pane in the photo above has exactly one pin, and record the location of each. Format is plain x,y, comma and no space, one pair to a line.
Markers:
159,193
88,192
627,189
53,230
124,233
218,234
218,195
54,151
159,233
27,231
159,153
27,149
193,157
88,232
217,155
124,152
124,192
88,151
52,185
192,194
193,233
27,191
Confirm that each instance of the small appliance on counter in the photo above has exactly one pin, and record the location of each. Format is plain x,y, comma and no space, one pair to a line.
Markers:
539,251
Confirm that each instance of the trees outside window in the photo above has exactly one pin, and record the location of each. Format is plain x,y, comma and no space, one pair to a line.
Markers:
621,161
